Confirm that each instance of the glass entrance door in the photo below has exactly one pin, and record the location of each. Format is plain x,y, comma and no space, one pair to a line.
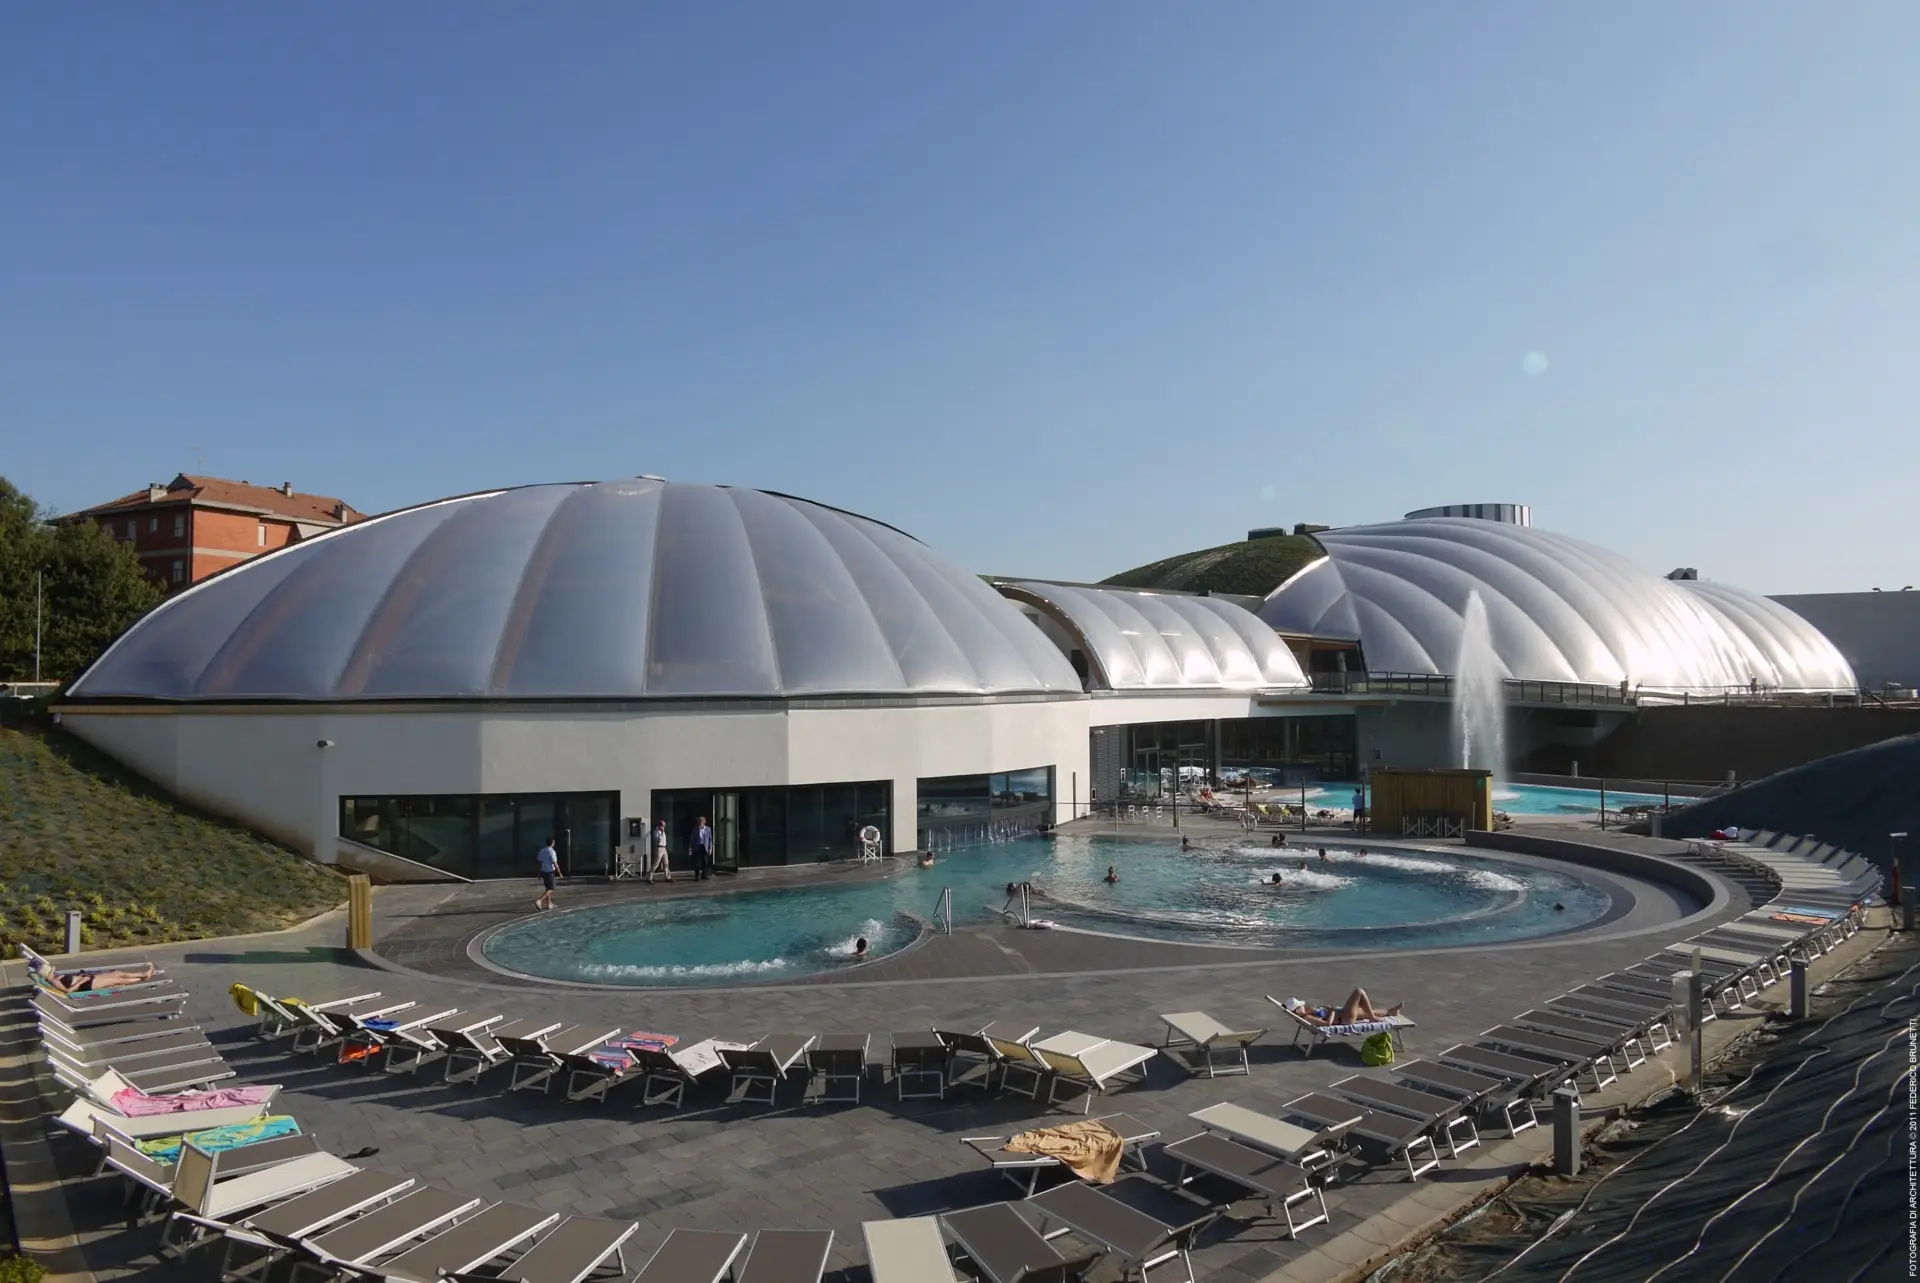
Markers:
726,831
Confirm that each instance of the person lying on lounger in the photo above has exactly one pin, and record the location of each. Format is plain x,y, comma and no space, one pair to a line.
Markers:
1357,1009
83,981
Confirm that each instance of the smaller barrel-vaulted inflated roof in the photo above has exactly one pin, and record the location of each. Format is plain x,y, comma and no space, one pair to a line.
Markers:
1148,641
611,590
1558,609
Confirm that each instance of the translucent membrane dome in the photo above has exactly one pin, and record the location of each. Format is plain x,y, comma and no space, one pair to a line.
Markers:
618,589
1168,641
1559,610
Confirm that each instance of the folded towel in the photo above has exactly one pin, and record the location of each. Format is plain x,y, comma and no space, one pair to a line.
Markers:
214,1139
1362,1027
135,1103
1089,1148
381,1026
650,1041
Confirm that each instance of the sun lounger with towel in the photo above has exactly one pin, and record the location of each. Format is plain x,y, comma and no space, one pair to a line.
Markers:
1005,1247
166,1149
94,1007
787,1256
1319,1034
1199,1033
1276,1180
1091,1063
1033,1157
1140,1241
45,967
908,1250
670,1072
693,1256
537,1059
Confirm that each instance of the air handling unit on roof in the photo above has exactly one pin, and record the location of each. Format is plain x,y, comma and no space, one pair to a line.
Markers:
1513,514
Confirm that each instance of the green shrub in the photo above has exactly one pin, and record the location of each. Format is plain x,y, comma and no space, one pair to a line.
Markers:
21,1269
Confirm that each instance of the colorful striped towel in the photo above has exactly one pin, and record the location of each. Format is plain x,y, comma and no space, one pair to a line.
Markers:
640,1038
167,1148
1363,1027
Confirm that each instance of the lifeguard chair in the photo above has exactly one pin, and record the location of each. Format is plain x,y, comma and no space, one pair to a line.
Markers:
872,849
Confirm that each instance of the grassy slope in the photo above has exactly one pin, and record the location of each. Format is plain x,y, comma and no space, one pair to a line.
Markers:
77,831
1254,567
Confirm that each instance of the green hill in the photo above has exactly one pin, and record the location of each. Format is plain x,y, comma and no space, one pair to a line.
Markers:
77,831
1254,567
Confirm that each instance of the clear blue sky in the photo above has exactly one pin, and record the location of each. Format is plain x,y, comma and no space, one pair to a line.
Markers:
1059,288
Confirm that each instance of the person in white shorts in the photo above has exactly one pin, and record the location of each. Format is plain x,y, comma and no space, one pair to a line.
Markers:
658,864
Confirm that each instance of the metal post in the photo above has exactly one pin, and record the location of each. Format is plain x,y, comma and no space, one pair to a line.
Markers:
1798,1005
1903,920
1696,1011
1603,805
73,930
36,626
1303,808
1566,1131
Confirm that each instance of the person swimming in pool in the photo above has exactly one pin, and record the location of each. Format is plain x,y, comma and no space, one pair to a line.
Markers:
860,949
1276,880
1357,1008
1324,858
1303,866
1185,844
1112,877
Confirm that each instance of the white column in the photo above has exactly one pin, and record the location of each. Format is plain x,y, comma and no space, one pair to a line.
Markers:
903,815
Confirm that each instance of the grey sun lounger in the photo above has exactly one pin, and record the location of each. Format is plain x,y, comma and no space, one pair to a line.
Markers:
280,1016
603,1068
693,1256
111,1006
46,967
1529,1075
786,1256
178,1072
1140,1242
838,1062
1394,1136
1319,1035
1005,1248
1311,1147
670,1072
1576,1053
329,1024
1280,1183
482,1237
567,1253
979,1046
364,1041
414,1215
908,1250
1652,1024
53,1031
1620,1038
480,1048
1445,1115
766,1062
276,1230
536,1059
1196,1035
408,1049
1475,1091
922,1058
1132,1132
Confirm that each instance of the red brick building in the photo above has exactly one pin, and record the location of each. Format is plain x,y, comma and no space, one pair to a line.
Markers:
194,526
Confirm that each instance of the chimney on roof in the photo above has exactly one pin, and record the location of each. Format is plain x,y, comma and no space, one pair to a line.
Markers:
156,493
286,488
339,509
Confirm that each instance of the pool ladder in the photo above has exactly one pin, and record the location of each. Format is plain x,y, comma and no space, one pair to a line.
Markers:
943,911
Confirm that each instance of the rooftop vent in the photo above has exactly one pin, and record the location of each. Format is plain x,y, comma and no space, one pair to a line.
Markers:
1512,514
1685,572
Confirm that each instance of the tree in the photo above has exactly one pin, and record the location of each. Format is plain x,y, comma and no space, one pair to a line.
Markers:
92,589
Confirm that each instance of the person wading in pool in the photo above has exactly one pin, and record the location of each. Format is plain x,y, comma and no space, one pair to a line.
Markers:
1111,877
549,869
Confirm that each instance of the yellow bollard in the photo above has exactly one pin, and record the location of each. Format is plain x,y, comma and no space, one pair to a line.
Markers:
359,911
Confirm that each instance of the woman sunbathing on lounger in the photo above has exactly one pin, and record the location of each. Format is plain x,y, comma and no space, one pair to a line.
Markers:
1356,1009
82,982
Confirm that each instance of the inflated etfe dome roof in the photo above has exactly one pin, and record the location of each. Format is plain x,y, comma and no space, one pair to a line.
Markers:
1558,609
620,589
1148,641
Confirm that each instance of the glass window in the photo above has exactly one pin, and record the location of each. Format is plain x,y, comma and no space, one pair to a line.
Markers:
153,523
590,823
438,831
763,838
179,524
874,804
499,849
179,570
133,528
949,798
963,809
263,534
806,838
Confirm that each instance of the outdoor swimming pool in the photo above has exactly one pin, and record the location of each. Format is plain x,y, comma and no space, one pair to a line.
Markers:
1514,799
1220,892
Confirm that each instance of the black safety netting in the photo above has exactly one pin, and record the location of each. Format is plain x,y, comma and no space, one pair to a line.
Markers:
1795,1166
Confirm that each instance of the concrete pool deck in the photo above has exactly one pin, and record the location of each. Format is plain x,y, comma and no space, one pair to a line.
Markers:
714,1166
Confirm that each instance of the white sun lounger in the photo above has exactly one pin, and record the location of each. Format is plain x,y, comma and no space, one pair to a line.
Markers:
1311,1147
1090,1063
480,1238
909,1250
1202,1033
693,1256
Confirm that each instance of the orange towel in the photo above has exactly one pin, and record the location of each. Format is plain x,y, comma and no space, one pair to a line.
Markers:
1089,1148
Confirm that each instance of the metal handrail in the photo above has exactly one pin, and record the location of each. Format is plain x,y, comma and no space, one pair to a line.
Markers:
943,911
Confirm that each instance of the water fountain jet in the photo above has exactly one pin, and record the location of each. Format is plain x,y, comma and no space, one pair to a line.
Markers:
1479,695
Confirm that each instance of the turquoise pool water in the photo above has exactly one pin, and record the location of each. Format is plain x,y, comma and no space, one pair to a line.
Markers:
1220,892
1514,799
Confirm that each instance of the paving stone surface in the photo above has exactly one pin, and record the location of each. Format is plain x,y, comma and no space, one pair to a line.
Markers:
715,1165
